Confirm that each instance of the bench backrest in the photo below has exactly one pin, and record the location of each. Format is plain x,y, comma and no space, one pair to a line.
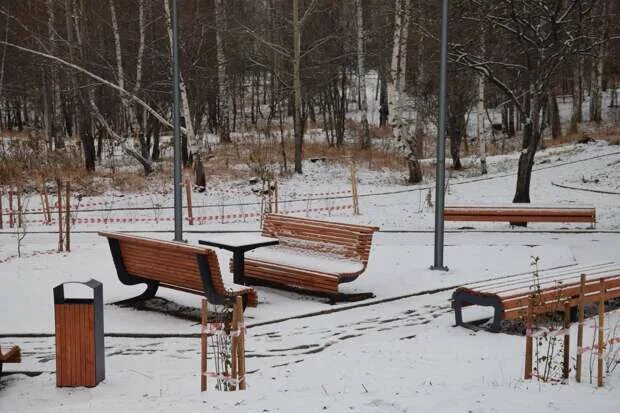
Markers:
345,240
170,263
529,212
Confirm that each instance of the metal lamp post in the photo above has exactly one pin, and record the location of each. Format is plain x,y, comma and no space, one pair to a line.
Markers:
441,144
178,196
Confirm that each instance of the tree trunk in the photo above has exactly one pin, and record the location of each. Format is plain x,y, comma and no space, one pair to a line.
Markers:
576,117
297,116
532,133
56,119
482,136
363,105
596,88
223,82
383,101
554,116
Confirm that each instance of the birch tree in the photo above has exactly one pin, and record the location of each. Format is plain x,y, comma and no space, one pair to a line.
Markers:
361,72
55,121
598,59
195,144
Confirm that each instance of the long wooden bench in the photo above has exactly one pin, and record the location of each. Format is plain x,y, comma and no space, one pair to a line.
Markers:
521,213
14,355
183,267
510,296
313,256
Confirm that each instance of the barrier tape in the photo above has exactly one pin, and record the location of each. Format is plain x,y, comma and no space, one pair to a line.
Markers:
582,350
325,193
198,220
113,202
106,202
225,377
218,329
546,332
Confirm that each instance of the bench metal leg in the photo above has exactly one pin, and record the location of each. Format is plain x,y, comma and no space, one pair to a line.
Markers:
463,298
126,278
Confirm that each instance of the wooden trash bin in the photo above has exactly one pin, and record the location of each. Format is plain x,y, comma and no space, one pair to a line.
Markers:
80,353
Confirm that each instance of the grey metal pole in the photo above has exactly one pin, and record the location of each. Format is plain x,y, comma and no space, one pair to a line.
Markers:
441,143
178,196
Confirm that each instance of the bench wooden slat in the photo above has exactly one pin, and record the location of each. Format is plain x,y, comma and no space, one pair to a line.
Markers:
173,265
520,213
347,241
511,299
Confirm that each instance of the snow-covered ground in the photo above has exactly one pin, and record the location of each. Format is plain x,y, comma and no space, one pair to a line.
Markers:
401,355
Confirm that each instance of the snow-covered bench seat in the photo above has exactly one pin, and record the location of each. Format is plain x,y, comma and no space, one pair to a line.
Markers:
14,355
510,296
184,267
313,256
521,213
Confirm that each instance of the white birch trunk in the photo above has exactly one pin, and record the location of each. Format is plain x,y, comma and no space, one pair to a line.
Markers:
195,146
394,74
56,124
361,70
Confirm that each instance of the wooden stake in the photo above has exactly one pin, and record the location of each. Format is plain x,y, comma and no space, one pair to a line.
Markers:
1,210
566,361
203,346
356,208
582,289
19,206
601,333
188,194
11,216
275,189
68,218
234,346
528,342
43,206
59,192
47,204
241,343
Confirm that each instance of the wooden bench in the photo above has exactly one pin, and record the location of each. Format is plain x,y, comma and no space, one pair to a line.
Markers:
14,355
313,256
183,267
521,213
510,295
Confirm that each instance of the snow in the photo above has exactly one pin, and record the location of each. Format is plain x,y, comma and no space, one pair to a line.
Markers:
300,258
238,240
396,352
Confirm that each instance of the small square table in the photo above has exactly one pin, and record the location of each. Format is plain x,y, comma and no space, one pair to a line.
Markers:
238,244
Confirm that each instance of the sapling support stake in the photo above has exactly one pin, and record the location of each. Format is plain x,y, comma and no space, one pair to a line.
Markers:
188,194
11,217
566,352
59,196
528,341
234,348
47,204
19,205
68,217
240,344
203,346
582,289
601,332
1,210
